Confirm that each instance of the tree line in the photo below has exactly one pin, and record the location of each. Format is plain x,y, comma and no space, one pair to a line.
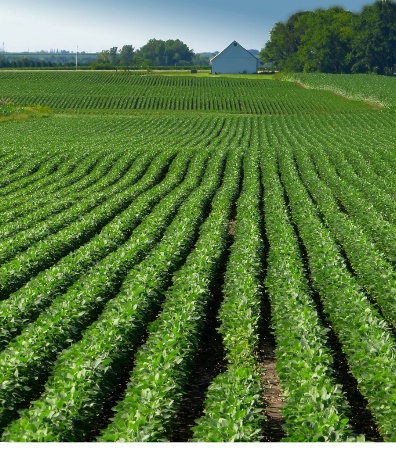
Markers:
336,40
157,52
44,59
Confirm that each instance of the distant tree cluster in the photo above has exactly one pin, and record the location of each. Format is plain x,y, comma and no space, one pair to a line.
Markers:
155,53
43,58
114,57
19,62
335,40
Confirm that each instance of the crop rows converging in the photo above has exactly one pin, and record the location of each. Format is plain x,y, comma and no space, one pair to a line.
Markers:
153,266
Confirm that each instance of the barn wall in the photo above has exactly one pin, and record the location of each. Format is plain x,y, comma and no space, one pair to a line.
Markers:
234,59
234,65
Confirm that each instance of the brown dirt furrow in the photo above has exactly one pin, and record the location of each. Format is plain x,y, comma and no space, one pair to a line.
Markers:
272,390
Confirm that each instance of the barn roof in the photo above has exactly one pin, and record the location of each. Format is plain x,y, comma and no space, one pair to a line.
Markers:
232,43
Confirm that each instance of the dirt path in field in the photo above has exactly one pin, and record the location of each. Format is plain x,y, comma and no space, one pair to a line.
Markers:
272,394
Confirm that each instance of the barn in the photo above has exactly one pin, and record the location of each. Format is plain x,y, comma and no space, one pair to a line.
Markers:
234,59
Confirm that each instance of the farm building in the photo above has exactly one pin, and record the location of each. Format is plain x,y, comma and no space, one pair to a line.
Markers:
234,59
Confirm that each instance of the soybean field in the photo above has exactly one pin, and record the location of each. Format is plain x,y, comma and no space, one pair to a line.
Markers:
197,259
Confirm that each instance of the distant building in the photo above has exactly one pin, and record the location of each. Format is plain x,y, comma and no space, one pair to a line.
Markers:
234,59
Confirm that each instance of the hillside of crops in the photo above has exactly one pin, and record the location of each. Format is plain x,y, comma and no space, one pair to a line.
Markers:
378,90
210,275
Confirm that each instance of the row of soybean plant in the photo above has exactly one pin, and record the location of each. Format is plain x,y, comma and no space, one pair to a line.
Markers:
315,407
10,163
370,188
375,167
44,253
163,365
316,410
349,230
42,247
17,165
37,168
66,316
148,93
77,174
69,185
33,225
365,338
94,365
233,409
24,305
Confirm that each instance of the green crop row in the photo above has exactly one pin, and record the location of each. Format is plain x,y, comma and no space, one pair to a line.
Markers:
24,305
361,165
381,199
380,283
364,336
315,407
119,328
34,177
31,169
77,307
121,92
40,230
351,199
233,409
110,175
64,321
76,175
70,180
45,253
164,363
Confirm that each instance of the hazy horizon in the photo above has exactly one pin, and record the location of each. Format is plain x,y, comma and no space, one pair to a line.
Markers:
207,26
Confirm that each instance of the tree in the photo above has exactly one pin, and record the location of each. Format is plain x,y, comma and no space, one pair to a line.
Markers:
177,53
152,53
325,40
335,40
284,41
113,56
374,45
104,57
127,55
165,53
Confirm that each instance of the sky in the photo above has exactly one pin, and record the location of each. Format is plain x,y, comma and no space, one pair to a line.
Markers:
95,25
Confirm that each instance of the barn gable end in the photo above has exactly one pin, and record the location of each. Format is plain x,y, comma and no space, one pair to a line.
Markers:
234,59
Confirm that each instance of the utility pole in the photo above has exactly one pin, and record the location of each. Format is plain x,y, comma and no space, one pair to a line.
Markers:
77,57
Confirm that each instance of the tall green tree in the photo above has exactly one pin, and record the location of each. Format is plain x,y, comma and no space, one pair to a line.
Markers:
374,45
283,44
177,53
325,40
152,53
113,56
127,55
336,40
104,57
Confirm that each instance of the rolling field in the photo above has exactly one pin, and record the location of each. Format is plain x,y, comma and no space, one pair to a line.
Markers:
114,92
197,259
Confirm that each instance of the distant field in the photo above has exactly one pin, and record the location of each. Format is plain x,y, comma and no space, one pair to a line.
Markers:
196,259
129,92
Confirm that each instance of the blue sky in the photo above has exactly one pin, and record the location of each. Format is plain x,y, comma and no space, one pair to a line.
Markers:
94,25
